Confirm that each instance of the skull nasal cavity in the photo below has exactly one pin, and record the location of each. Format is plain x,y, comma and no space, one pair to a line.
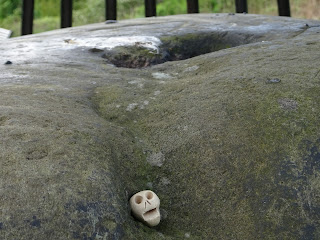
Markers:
138,199
149,195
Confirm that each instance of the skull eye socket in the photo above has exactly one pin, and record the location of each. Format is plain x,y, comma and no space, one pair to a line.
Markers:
138,199
149,195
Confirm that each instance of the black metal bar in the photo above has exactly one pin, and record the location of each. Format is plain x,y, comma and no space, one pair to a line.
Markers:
284,8
27,17
151,8
66,13
111,9
193,6
241,6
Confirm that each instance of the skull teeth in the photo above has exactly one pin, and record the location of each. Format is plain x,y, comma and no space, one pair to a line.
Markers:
150,214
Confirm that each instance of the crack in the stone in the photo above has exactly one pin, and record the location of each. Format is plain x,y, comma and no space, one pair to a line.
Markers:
304,29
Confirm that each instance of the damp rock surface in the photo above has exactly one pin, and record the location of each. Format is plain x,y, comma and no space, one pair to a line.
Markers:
218,114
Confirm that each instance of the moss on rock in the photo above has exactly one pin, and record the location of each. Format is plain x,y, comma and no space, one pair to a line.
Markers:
229,140
239,153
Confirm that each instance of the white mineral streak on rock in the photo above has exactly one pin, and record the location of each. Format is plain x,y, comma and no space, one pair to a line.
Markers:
165,181
131,106
260,28
11,77
149,42
190,69
145,103
156,159
159,75
137,82
156,93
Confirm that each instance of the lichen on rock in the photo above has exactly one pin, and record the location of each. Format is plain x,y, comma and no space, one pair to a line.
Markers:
231,153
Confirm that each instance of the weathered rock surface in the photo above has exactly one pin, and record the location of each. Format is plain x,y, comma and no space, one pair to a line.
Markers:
229,140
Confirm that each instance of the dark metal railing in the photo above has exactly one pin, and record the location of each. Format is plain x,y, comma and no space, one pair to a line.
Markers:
111,11
27,17
241,6
193,6
150,6
66,13
284,8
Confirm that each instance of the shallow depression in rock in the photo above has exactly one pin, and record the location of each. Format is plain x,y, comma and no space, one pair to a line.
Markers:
174,48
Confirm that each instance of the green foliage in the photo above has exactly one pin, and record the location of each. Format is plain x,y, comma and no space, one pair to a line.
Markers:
169,7
89,11
209,6
46,23
8,7
45,8
130,9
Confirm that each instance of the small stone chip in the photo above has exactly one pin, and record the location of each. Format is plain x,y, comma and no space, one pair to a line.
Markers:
273,80
110,21
8,63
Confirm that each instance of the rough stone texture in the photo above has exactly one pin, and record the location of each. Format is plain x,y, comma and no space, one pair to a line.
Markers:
228,140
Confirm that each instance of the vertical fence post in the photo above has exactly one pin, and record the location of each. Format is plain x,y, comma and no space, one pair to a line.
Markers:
193,6
151,8
27,17
284,8
66,13
241,6
111,9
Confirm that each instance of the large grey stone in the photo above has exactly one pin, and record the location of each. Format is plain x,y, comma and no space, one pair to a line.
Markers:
229,140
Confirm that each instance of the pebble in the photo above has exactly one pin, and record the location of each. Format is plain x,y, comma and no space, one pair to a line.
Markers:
273,80
110,21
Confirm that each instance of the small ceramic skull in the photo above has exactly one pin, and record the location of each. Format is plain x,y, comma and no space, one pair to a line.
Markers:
145,207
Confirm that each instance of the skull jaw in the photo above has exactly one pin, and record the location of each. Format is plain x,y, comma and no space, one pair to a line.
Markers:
152,217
